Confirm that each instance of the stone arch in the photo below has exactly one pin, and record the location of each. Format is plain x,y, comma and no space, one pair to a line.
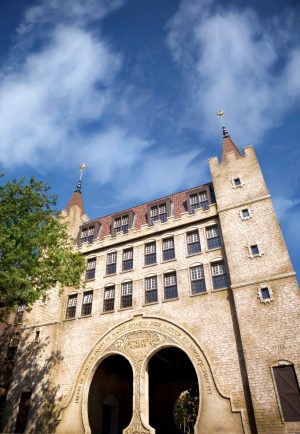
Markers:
136,339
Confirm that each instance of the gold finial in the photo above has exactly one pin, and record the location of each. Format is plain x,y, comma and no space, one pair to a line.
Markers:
220,113
82,167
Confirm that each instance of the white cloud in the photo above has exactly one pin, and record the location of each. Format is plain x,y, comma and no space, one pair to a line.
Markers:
228,58
284,206
62,101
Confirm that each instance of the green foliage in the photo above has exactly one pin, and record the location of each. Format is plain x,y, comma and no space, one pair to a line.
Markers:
35,250
186,410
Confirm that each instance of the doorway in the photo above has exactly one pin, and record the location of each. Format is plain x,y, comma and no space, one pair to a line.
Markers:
110,396
172,378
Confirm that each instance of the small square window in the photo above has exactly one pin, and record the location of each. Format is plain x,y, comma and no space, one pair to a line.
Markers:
245,213
254,250
237,182
265,293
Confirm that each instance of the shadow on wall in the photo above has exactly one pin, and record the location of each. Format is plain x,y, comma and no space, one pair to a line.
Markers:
31,401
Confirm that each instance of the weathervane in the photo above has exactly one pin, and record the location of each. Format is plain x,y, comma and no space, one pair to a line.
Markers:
82,167
220,115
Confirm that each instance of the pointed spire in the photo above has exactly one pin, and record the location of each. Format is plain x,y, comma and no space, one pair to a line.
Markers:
76,198
228,144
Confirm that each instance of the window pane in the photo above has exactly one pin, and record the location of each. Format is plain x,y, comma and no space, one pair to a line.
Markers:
171,292
127,265
218,268
220,282
198,286
127,288
168,254
126,301
127,254
109,293
151,296
87,297
212,231
112,258
197,272
194,248
150,248
168,243
151,283
193,237
265,293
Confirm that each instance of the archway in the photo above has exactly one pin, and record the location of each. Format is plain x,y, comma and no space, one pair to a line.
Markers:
170,373
110,396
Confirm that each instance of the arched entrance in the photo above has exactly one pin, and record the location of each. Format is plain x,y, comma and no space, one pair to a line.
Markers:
170,374
110,396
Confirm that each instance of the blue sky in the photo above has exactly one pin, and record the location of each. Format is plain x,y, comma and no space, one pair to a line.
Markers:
132,88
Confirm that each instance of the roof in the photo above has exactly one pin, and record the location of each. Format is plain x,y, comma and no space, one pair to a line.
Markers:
179,201
229,146
76,199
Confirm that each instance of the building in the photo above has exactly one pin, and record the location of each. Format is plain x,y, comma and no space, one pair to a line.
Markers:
194,291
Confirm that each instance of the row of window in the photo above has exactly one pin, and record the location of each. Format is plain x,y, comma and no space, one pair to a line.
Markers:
157,212
198,285
168,252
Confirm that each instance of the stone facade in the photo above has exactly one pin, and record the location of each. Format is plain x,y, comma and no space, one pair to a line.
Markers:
234,334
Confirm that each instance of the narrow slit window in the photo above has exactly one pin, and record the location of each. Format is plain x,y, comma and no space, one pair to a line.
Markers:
245,213
237,182
254,250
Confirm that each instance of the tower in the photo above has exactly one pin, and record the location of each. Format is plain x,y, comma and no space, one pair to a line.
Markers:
264,287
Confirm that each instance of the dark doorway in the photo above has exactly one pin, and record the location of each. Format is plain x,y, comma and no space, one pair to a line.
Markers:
170,373
23,411
110,396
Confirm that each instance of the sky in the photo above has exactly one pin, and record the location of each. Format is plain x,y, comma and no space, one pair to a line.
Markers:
132,87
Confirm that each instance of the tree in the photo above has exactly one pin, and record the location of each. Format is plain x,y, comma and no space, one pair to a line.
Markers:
186,410
35,250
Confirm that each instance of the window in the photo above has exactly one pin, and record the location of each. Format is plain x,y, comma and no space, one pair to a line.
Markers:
87,235
237,182
20,313
127,259
151,289
109,298
168,249
198,200
170,285
219,275
71,307
111,264
254,250
265,293
288,392
245,213
88,232
158,212
213,237
90,269
126,296
13,346
122,223
87,302
150,253
197,279
193,242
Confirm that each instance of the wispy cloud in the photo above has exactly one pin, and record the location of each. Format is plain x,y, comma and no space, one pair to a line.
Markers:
231,58
63,100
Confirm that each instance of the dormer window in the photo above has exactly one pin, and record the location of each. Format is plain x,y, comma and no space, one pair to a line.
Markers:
198,199
122,223
159,212
88,233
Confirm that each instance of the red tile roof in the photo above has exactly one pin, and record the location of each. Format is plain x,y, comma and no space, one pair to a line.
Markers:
140,211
